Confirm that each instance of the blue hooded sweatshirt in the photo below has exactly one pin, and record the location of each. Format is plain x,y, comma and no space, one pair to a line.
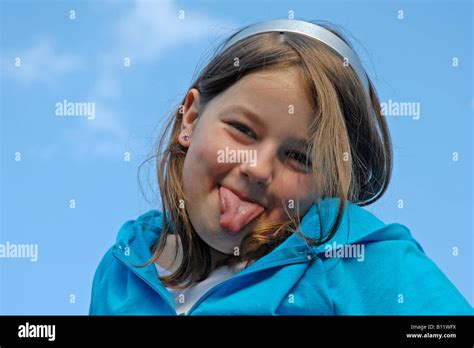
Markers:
390,275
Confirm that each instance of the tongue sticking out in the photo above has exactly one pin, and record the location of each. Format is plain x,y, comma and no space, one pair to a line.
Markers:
236,213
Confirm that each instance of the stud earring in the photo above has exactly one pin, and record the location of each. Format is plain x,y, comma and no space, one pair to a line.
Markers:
186,137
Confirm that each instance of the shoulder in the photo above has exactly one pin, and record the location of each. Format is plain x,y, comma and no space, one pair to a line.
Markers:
150,221
387,272
138,234
99,286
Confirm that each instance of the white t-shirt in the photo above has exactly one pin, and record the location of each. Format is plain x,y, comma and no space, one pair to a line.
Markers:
185,299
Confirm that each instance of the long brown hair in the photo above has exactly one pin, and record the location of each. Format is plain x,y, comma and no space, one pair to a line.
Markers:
350,148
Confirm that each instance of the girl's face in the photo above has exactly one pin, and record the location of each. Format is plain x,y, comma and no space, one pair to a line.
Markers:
250,139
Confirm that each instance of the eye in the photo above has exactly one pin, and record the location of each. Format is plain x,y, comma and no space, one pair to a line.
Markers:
243,129
300,157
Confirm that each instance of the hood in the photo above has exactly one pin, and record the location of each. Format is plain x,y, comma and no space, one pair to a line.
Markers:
357,226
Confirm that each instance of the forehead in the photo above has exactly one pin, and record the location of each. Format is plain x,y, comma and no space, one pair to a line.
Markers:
279,88
276,96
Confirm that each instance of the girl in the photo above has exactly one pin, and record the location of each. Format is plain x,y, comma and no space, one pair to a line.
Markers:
273,151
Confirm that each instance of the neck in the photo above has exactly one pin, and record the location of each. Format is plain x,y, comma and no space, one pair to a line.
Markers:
166,257
216,256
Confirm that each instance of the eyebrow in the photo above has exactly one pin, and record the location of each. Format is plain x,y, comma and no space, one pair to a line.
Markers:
256,118
247,112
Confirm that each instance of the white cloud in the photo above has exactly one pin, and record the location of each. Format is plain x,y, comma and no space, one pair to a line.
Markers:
145,33
106,86
43,153
104,136
40,63
150,29
106,121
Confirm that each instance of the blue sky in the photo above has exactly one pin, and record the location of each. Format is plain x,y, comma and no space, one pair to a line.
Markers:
82,60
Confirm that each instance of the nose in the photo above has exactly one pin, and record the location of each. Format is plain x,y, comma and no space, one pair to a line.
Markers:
259,172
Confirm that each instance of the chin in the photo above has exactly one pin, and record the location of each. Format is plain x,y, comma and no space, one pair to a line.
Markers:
223,250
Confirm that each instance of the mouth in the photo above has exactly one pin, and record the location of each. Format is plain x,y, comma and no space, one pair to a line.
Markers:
236,211
241,196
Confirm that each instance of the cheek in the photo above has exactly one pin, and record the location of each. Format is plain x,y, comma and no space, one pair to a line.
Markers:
296,189
295,185
201,166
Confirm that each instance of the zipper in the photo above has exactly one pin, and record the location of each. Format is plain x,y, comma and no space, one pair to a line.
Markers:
305,258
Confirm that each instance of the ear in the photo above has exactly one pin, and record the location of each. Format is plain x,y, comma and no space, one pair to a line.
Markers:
190,116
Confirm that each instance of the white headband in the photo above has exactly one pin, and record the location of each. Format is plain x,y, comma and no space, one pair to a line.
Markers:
311,30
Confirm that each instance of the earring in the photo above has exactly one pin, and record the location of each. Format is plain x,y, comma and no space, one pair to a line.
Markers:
186,137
